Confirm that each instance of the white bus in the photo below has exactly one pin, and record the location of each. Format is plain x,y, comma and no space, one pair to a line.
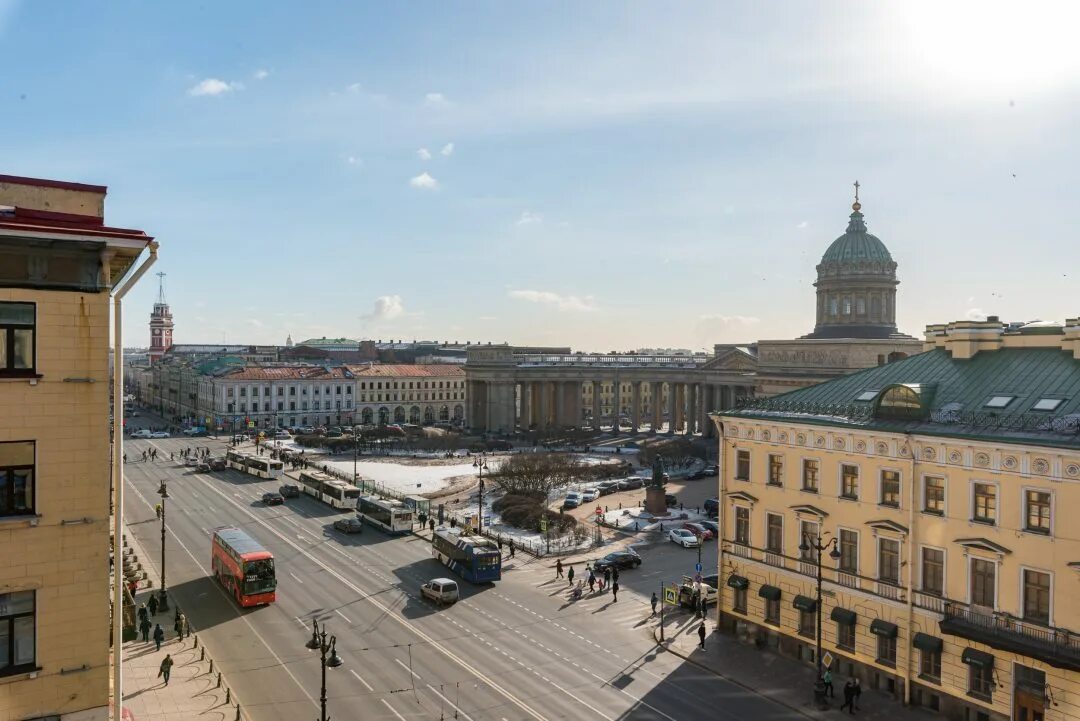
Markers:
237,460
264,467
390,516
328,489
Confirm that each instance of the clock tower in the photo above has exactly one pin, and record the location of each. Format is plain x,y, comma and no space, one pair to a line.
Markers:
161,324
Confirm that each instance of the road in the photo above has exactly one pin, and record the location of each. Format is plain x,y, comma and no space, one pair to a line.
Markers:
517,649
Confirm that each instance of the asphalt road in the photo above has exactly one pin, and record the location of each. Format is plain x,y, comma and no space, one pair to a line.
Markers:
517,649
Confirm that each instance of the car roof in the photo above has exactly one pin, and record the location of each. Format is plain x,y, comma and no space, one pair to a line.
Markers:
444,581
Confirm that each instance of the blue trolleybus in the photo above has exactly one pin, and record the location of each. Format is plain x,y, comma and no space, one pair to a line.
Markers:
474,558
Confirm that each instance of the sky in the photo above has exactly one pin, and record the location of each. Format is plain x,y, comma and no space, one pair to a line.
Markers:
606,176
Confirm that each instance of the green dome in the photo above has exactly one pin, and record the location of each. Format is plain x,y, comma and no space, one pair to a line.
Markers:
856,244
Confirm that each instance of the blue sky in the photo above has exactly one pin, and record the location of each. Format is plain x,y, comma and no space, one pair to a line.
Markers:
605,176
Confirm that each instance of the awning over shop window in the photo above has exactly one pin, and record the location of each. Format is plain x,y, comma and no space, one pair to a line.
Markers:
804,603
738,581
974,657
926,642
844,616
770,592
883,628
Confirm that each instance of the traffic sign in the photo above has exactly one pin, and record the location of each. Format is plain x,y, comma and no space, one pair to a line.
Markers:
826,659
671,595
543,524
599,511
697,566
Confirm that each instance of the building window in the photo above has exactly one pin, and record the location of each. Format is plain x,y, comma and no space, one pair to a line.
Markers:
849,482
889,561
243,392
810,469
738,601
17,621
231,408
774,533
243,407
266,407
849,551
292,405
934,495
890,488
292,390
807,623
776,470
1037,511
280,406
280,391
1037,597
983,582
16,478
886,650
742,525
930,665
847,305
229,392
742,466
17,327
808,531
845,636
772,611
981,681
984,506
860,305
933,571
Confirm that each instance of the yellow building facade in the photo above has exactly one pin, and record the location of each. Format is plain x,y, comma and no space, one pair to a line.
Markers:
58,264
941,487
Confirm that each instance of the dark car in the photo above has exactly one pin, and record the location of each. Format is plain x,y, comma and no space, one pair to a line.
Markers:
218,464
631,483
272,499
711,580
288,490
607,487
349,525
618,559
712,506
711,527
711,470
202,467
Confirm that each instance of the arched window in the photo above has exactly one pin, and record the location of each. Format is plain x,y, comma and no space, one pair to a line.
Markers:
875,307
833,305
860,305
847,305
900,401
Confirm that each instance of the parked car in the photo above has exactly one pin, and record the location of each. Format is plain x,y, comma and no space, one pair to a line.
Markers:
607,487
688,588
440,590
632,483
711,526
191,462
282,436
160,434
272,498
202,467
711,470
349,525
307,430
288,490
334,433
712,580
218,464
712,506
142,433
618,559
683,537
572,500
589,494
703,534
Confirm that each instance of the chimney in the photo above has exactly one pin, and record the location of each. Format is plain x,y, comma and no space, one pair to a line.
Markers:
965,338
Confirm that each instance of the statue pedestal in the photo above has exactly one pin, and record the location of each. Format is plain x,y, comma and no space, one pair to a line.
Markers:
655,502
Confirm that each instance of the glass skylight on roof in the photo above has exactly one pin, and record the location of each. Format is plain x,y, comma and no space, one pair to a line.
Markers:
999,401
1046,404
867,396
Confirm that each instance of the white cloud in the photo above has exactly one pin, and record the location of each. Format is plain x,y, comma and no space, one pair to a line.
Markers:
355,88
571,303
435,100
424,182
975,314
353,160
388,307
529,218
447,150
803,224
213,86
261,74
423,154
717,328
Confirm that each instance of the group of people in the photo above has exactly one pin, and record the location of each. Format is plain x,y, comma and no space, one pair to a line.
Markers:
608,578
180,626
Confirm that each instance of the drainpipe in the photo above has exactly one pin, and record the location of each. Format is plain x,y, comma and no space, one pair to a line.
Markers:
908,653
118,480
722,468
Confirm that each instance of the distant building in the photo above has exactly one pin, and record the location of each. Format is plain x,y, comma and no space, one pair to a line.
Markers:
410,393
161,324
331,344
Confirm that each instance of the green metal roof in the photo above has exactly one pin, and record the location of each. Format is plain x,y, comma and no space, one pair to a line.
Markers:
856,244
955,393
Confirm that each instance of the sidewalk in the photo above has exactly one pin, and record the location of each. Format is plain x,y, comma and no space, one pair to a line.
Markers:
192,691
778,678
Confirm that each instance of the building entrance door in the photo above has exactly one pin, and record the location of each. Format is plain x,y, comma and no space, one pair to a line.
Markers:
1029,696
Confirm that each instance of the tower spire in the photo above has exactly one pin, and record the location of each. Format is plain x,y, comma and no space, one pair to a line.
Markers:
856,206
161,288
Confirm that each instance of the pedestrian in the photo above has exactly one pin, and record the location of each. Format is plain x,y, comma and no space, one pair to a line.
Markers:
826,680
185,627
144,615
654,601
166,668
614,591
171,456
152,605
849,696
511,548
570,575
157,509
592,581
159,636
857,694
144,628
133,586
615,574
431,524
558,568
701,635
500,543
607,575
178,625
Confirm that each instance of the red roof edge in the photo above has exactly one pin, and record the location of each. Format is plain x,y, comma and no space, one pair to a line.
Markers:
55,217
46,183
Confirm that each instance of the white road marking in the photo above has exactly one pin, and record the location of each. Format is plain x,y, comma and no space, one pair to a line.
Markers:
301,622
343,616
414,673
385,703
451,703
296,577
361,680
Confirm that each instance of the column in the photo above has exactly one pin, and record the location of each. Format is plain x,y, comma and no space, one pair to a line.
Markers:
704,422
657,391
526,405
635,406
691,408
680,407
574,399
595,405
544,404
671,393
559,404
616,404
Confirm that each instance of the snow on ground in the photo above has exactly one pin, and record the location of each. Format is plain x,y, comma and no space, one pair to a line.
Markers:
421,480
626,518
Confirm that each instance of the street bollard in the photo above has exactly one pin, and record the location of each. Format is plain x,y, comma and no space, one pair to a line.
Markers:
202,653
237,712
211,665
218,680
228,695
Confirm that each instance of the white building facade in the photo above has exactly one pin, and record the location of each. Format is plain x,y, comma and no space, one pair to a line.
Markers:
419,394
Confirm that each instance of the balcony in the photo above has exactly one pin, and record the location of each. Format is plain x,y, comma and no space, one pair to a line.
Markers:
930,602
1055,646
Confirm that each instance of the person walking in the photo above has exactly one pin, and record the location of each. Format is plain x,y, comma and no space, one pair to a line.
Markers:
849,697
607,575
511,548
558,568
157,510
614,591
179,624
152,605
144,629
615,574
701,635
654,602
570,575
592,581
185,627
856,695
826,679
166,668
125,458
159,636
144,615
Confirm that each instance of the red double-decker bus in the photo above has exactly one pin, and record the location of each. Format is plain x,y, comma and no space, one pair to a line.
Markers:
243,567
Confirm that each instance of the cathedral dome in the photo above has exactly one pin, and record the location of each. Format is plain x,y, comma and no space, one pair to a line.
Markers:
856,244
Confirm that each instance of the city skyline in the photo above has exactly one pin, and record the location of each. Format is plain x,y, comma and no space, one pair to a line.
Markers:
501,174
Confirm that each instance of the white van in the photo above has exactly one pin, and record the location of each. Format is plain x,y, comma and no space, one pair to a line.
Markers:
440,590
142,433
282,436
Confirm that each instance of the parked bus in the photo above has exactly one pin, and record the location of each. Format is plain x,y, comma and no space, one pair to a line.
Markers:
243,567
237,460
328,489
390,516
264,467
474,558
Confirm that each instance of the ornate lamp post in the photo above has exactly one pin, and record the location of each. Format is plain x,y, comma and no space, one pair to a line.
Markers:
163,602
319,642
480,463
811,543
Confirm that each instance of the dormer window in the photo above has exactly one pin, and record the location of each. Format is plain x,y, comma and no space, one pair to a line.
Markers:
1046,404
901,402
999,401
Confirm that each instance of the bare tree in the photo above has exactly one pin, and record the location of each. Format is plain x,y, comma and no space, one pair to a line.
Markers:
537,474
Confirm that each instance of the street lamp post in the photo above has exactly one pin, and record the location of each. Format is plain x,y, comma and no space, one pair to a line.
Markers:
163,601
480,463
319,642
810,543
